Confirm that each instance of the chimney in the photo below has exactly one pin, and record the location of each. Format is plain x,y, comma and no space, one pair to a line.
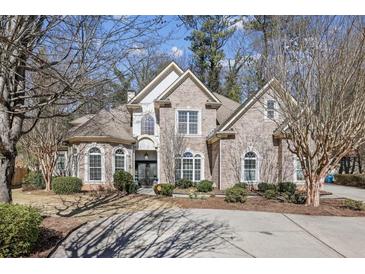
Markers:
130,94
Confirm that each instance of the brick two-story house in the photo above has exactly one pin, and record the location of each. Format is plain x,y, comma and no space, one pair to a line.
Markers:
177,128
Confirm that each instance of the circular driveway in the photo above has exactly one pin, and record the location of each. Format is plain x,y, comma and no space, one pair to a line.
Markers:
216,233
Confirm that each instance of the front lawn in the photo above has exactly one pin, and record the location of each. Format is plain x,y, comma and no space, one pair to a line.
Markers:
63,213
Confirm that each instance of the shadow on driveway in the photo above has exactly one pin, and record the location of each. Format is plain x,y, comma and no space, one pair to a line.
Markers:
157,233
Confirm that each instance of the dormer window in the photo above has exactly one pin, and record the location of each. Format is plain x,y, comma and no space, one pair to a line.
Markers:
270,109
148,125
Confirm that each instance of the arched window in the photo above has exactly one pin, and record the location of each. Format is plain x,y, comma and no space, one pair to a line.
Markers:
95,164
119,160
250,167
197,167
148,125
188,167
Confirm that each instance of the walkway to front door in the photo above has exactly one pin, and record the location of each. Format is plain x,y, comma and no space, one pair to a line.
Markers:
146,172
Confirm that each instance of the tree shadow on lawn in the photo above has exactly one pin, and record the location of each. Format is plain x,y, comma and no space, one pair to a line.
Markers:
104,204
157,233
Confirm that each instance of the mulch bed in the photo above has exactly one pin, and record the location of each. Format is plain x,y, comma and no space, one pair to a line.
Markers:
53,230
328,206
187,191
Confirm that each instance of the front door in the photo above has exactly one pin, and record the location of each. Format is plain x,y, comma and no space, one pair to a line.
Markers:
146,173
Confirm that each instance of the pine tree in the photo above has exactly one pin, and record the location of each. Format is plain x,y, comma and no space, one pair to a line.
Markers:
208,37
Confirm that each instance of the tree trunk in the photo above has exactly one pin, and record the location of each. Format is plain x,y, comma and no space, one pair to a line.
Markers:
313,188
7,168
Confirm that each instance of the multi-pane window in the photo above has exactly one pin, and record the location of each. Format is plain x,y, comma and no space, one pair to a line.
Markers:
299,176
188,167
270,109
75,163
197,167
148,125
119,160
187,122
61,164
95,164
250,167
178,167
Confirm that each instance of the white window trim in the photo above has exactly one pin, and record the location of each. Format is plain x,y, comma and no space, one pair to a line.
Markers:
76,172
125,157
86,164
199,122
267,109
295,179
64,153
202,165
257,167
154,124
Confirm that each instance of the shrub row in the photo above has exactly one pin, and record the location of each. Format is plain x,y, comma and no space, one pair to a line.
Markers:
284,190
184,183
19,230
357,180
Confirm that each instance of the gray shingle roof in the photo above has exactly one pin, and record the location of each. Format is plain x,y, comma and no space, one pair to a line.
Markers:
226,109
114,123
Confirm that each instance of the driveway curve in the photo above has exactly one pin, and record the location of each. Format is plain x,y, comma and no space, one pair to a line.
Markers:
216,233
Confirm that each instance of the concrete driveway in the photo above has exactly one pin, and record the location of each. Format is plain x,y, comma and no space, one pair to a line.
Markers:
345,192
216,233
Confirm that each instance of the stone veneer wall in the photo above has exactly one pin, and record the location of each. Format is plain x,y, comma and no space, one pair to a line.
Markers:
254,133
193,99
107,151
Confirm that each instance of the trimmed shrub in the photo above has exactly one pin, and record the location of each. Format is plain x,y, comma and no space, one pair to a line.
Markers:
241,185
287,187
66,185
123,181
19,230
184,183
263,187
204,186
34,180
299,198
354,205
270,194
163,189
357,180
235,194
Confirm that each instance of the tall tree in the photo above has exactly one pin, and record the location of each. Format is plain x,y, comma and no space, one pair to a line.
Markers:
325,73
43,143
79,50
236,67
208,37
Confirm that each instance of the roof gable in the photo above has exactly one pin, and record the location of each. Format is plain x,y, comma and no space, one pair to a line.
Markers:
187,74
158,79
237,114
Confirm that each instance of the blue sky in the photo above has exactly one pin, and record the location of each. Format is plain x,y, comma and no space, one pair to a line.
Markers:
179,32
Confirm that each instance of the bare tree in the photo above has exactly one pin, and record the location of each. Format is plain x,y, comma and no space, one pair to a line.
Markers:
74,52
43,142
172,145
324,71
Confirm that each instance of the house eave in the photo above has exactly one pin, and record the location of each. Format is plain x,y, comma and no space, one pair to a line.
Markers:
102,139
134,107
213,105
221,135
162,103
